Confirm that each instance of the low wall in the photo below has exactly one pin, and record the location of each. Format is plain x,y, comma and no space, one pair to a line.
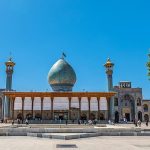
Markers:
96,131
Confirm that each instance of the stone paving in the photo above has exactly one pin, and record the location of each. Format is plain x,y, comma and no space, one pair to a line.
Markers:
99,143
95,143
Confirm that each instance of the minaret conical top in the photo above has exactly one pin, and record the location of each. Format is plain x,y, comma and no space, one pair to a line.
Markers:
10,62
109,64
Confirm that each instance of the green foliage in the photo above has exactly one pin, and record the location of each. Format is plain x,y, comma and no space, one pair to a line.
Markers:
148,66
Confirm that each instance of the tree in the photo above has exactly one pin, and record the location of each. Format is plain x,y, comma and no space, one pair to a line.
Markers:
148,65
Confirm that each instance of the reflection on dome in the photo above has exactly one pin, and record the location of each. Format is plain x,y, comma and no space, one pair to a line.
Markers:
61,76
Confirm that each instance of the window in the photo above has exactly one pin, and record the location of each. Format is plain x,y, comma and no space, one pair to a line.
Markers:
145,107
116,102
138,102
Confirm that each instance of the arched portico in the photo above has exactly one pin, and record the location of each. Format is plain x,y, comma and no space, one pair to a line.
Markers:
72,105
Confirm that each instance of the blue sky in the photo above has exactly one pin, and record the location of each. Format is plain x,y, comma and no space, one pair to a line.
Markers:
37,31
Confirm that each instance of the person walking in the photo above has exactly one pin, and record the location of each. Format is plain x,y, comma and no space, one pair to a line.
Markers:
139,123
147,123
12,122
26,121
66,122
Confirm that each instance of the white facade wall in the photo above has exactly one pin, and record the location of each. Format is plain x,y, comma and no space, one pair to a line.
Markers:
27,103
18,103
75,102
37,103
93,104
84,103
61,103
47,103
103,103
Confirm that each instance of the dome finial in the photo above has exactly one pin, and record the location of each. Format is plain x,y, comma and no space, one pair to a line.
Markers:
10,56
63,55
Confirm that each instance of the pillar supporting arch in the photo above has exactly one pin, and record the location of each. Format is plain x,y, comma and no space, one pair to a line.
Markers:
42,98
23,98
69,98
52,108
89,98
98,101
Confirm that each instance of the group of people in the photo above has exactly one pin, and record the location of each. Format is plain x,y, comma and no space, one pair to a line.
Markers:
19,121
85,122
138,123
89,122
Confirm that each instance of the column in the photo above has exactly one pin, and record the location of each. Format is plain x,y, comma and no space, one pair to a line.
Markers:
52,110
23,108
32,98
89,107
112,108
13,105
135,108
79,107
10,108
6,108
69,108
98,100
42,98
108,107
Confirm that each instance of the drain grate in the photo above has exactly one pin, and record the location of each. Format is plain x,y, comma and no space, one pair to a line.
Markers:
66,146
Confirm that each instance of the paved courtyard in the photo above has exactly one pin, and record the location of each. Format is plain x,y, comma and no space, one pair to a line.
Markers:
129,125
99,143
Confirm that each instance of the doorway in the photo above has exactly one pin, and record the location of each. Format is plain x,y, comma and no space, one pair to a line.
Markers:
116,117
127,116
61,115
140,115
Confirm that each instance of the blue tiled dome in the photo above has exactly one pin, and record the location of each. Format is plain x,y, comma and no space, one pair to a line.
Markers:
61,76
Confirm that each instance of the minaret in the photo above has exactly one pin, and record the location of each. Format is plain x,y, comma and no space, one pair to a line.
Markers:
9,71
109,71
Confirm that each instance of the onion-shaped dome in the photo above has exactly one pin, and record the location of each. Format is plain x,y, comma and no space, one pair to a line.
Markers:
61,76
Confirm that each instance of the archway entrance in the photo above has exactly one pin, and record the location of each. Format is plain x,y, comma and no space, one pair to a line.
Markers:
146,117
29,116
83,117
116,117
61,115
37,116
102,116
19,116
140,115
92,116
127,116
